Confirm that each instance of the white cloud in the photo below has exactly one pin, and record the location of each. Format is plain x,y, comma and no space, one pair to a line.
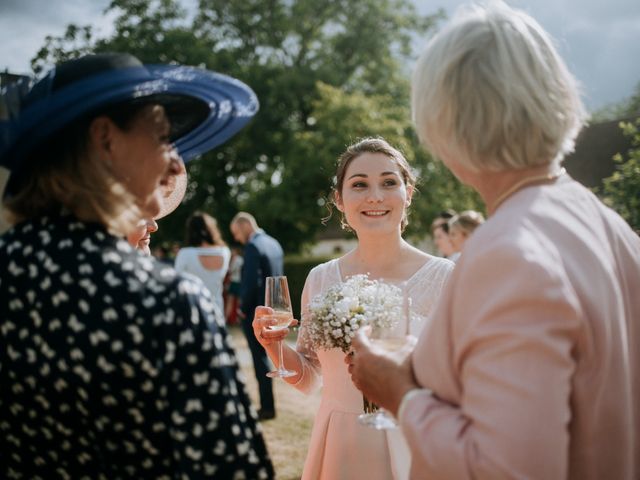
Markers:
24,25
600,40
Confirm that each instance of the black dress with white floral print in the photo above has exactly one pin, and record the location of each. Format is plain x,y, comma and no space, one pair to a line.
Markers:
112,365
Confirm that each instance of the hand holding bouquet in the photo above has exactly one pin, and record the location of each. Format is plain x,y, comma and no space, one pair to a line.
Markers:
336,315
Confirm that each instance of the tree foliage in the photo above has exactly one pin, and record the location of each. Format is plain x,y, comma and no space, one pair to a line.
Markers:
621,191
627,108
326,72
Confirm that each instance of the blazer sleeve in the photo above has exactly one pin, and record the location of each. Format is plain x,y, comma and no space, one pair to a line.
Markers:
514,323
249,282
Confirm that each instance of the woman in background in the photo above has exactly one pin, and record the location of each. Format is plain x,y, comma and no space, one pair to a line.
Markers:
232,301
172,194
441,238
140,237
206,255
461,227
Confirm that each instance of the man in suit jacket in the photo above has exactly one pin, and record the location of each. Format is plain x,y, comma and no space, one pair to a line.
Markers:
263,257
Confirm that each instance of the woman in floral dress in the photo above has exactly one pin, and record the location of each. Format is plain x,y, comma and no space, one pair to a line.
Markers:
112,364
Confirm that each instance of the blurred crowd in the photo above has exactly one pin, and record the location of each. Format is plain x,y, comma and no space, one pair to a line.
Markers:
451,230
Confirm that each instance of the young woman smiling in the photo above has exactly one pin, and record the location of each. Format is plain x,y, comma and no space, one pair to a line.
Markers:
373,191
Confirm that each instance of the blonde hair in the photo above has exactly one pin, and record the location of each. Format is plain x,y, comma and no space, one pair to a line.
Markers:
66,177
466,221
246,218
370,145
491,92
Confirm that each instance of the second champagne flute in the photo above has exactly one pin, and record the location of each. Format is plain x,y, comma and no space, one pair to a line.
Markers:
392,338
276,296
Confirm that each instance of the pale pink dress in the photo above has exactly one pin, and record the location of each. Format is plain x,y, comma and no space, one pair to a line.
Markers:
341,448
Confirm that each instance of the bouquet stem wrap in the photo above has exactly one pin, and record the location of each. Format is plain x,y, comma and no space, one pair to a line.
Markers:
368,406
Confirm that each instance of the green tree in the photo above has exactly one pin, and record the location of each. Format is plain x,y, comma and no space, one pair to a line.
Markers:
325,71
339,118
300,189
621,191
627,108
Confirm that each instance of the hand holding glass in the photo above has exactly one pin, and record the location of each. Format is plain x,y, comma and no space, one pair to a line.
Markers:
277,297
391,338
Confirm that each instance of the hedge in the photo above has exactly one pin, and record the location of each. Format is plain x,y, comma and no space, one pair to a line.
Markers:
296,268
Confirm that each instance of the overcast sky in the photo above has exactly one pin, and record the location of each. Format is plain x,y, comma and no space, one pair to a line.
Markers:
599,39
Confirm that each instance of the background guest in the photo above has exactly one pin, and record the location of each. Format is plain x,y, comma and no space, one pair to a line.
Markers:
172,194
232,302
443,217
162,253
206,255
263,257
461,226
440,233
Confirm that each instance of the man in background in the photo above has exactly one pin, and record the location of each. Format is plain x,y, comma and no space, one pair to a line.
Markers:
263,257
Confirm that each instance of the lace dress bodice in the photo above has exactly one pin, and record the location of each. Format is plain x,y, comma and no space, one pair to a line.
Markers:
424,288
340,448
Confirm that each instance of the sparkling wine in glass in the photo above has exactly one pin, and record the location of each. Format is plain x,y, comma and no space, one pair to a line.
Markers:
392,337
277,297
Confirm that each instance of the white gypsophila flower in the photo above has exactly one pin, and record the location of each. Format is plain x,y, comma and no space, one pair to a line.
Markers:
335,316
342,307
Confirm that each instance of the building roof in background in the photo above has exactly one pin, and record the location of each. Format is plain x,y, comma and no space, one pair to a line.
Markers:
7,78
592,160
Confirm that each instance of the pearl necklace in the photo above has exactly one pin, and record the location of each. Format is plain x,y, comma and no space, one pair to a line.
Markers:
525,182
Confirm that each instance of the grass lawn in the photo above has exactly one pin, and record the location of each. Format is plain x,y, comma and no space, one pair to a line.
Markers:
288,434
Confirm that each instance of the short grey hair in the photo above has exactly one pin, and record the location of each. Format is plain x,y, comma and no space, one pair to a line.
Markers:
246,218
491,92
466,221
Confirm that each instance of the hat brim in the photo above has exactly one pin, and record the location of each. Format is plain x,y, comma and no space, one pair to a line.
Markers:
173,193
231,105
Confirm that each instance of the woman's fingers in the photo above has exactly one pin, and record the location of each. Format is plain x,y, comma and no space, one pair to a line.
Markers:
348,358
274,335
262,320
262,310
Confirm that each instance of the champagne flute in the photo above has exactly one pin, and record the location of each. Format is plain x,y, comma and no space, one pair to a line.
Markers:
277,297
392,338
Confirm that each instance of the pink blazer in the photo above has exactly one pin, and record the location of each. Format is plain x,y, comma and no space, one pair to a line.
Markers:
533,354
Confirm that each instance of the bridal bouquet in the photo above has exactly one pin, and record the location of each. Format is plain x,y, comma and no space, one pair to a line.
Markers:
336,315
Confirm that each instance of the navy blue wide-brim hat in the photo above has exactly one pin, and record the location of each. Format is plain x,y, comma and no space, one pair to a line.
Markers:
205,108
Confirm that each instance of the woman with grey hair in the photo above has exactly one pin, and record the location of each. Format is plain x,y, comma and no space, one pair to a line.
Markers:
530,367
